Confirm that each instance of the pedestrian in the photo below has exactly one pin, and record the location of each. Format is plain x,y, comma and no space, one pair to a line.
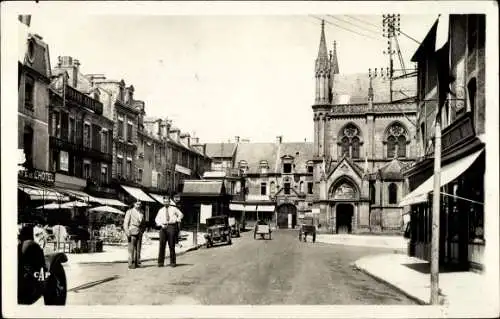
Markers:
133,225
168,218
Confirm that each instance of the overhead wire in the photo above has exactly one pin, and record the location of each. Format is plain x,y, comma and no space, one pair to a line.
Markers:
356,25
344,28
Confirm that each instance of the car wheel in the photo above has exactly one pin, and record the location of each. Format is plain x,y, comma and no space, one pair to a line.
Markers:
56,287
30,260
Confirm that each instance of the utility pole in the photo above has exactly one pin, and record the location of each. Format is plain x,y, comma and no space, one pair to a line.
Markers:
436,213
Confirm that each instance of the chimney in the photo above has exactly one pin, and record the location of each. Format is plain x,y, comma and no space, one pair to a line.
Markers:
237,139
279,139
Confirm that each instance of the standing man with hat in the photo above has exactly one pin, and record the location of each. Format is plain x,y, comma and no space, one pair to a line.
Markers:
168,218
133,225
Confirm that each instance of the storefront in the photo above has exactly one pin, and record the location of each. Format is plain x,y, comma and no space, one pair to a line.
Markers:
133,194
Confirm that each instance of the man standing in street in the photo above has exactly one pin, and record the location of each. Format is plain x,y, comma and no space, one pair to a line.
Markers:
168,218
133,225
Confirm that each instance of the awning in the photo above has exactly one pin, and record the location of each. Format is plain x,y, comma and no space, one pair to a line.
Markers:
38,193
157,197
239,207
250,208
265,208
448,173
138,194
89,198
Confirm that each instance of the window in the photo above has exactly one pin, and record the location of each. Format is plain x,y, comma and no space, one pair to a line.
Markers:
471,90
263,188
372,193
301,187
310,187
472,32
158,180
139,175
55,124
119,166
129,168
310,169
396,141
104,174
71,129
86,135
423,136
104,141
86,170
350,141
287,188
287,168
393,193
64,125
120,127
129,132
28,146
29,88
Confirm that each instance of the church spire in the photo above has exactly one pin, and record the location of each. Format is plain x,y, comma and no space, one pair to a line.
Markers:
322,62
335,64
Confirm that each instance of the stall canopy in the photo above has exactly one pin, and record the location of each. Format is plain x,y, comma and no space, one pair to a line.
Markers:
202,188
106,209
448,173
237,207
38,193
89,198
138,194
265,208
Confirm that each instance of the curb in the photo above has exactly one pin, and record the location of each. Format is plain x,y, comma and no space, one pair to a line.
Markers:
123,261
416,299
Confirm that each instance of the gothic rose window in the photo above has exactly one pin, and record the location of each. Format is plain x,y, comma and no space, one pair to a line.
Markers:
350,141
396,141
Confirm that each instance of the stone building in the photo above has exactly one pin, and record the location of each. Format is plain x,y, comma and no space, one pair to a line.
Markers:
462,111
363,135
80,135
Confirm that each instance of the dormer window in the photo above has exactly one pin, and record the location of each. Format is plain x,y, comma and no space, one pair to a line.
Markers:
310,168
243,166
287,168
264,167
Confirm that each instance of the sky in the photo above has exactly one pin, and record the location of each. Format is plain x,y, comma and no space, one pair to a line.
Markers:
221,76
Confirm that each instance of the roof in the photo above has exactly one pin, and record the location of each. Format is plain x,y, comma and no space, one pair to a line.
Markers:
220,149
392,170
203,187
302,153
353,88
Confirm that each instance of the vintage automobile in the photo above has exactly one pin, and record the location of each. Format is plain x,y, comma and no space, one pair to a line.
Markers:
39,275
235,227
262,228
307,228
218,231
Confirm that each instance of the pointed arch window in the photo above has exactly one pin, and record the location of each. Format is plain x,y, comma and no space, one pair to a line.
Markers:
396,141
393,193
350,141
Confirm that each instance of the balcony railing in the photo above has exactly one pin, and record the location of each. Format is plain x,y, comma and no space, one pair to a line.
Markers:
79,149
83,100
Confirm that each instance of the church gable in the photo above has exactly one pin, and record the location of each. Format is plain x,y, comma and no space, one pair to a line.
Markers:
345,168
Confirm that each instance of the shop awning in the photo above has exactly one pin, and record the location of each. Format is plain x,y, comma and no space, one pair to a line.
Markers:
138,194
238,207
250,208
39,193
92,199
265,208
448,173
157,197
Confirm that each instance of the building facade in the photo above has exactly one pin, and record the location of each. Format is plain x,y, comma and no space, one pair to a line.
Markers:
80,135
364,129
451,77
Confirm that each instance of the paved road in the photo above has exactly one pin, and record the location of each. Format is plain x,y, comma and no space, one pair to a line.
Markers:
259,272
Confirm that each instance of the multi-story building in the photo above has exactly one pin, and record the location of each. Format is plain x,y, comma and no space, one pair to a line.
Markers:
222,155
363,135
80,135
456,96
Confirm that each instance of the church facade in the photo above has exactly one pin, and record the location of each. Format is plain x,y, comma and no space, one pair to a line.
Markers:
364,134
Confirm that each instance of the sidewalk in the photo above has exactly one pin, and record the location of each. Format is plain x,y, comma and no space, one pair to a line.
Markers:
119,253
463,292
393,242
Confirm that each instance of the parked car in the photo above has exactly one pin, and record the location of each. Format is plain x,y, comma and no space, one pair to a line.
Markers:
235,227
38,274
307,228
218,231
262,228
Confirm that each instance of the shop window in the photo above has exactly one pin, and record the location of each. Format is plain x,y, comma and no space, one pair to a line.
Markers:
29,92
393,193
287,188
263,189
350,141
310,187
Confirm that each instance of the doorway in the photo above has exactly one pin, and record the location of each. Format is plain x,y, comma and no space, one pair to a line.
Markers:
344,213
287,216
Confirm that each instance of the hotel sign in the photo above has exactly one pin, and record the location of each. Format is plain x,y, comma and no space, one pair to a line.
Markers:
182,169
37,175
